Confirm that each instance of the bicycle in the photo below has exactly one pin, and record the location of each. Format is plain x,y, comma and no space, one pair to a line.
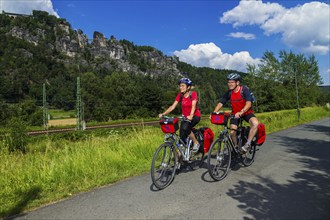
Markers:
165,161
223,149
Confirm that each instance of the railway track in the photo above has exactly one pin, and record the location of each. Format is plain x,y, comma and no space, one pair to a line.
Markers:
64,130
121,125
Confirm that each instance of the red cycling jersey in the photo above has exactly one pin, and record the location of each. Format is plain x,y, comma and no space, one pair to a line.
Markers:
238,102
186,104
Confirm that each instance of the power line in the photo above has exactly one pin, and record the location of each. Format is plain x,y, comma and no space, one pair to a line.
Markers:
45,110
79,106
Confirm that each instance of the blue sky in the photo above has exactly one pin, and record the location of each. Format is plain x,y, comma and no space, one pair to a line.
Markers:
218,34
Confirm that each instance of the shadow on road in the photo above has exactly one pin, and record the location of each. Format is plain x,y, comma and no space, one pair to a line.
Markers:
184,169
307,196
317,128
303,198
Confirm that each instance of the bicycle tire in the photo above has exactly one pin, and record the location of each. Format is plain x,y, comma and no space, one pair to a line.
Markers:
248,157
219,160
164,164
196,160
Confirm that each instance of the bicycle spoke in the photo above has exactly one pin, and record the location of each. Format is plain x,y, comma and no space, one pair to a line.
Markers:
219,159
163,166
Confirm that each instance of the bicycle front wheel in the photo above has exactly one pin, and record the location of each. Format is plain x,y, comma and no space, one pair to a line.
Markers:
219,159
248,157
163,165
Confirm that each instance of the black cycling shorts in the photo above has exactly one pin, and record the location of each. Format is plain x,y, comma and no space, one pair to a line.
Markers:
234,121
186,127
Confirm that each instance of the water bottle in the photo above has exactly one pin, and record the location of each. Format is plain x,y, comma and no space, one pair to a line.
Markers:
179,145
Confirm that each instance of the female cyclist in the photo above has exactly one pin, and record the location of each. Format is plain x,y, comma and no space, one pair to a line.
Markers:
189,110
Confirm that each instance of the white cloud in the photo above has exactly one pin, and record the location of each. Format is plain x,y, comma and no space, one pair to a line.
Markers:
27,6
246,36
304,26
251,12
210,55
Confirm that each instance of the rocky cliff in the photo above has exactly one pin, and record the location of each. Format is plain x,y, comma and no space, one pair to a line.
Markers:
99,53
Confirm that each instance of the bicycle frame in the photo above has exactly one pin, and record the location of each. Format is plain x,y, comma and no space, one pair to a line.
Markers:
169,157
176,142
226,137
223,150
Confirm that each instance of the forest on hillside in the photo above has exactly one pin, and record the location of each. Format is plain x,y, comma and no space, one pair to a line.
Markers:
111,93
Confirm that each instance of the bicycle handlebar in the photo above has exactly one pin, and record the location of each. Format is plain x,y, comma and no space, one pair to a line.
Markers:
182,117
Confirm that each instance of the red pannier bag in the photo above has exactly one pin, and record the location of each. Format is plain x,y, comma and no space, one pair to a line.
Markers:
219,118
261,134
169,125
208,139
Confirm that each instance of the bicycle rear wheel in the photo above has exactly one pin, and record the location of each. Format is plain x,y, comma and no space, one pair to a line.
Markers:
163,165
219,159
248,157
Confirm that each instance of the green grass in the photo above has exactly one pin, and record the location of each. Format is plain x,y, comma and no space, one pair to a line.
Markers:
58,166
280,120
57,113
54,169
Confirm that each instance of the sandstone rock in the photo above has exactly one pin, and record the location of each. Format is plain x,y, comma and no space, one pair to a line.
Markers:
105,53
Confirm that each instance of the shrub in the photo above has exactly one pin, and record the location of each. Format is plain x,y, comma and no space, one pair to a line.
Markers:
17,138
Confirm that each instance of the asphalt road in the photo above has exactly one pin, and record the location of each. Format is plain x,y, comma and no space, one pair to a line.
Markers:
290,179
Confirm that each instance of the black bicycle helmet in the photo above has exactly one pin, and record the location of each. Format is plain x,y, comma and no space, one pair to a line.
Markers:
186,81
234,76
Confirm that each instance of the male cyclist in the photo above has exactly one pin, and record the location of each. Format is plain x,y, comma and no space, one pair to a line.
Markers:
189,110
241,103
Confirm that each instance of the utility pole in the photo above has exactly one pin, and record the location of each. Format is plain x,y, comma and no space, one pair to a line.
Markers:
297,95
255,88
44,108
83,116
296,84
78,106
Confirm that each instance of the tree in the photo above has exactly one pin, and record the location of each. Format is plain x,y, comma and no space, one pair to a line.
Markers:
275,83
92,95
6,113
